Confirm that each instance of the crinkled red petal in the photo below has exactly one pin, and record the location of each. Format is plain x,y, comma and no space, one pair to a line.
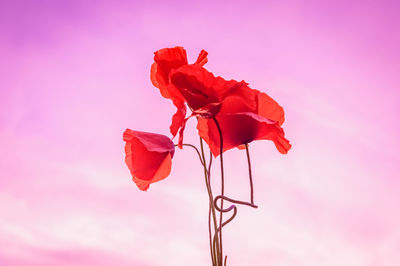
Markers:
200,87
202,58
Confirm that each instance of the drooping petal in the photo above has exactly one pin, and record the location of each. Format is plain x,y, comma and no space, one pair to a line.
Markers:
162,172
178,119
241,128
147,156
166,60
152,142
181,130
245,99
243,102
269,108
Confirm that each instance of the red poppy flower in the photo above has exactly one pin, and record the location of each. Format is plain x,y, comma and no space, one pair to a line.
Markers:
209,96
201,89
203,92
245,99
242,123
231,102
241,128
165,61
148,156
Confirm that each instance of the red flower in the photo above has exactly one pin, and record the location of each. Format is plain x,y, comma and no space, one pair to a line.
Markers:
148,156
245,114
201,89
246,99
203,92
230,102
165,61
241,128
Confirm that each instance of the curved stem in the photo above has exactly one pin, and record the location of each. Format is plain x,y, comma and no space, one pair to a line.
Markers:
232,207
233,201
219,229
216,248
250,175
211,206
215,255
221,149
197,150
221,210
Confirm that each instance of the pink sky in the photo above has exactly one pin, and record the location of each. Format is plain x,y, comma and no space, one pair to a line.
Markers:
75,74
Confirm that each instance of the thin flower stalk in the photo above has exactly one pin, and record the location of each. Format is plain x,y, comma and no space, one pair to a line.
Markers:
215,251
250,175
221,141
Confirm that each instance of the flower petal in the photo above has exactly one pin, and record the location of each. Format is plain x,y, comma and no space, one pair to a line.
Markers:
199,87
166,60
146,155
162,172
151,141
202,58
241,128
245,99
178,119
269,108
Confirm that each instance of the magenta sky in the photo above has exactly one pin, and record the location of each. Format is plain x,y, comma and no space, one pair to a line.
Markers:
75,74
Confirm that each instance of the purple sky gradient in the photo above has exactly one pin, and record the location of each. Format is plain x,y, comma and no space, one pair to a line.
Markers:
75,74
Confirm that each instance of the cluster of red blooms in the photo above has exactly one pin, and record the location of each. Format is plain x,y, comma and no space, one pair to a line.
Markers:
243,115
